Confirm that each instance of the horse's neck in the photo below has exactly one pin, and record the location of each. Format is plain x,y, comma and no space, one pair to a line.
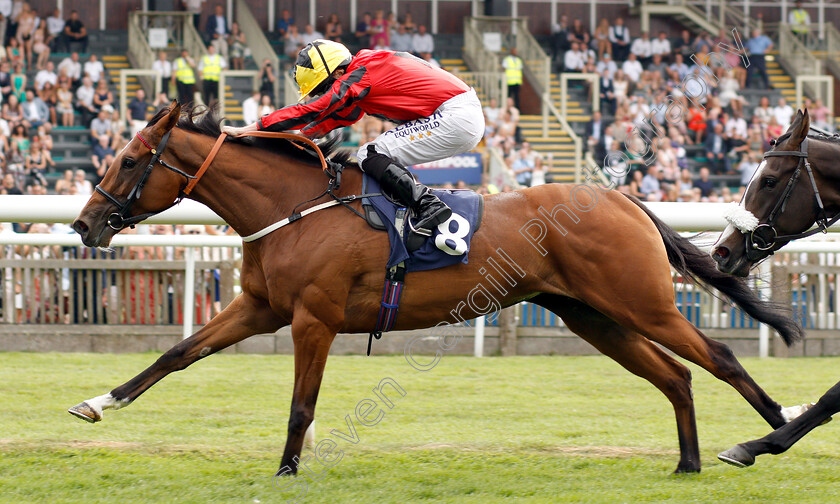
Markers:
251,188
825,163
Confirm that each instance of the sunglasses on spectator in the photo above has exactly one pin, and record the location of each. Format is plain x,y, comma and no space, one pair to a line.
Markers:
193,232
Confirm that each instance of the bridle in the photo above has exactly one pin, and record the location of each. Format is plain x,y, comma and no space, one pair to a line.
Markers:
121,218
765,237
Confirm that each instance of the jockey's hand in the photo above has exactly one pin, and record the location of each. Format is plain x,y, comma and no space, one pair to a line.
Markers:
234,131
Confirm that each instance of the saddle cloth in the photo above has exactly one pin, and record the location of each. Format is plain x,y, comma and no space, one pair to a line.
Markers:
449,243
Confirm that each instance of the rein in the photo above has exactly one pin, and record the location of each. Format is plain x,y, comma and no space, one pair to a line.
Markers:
765,237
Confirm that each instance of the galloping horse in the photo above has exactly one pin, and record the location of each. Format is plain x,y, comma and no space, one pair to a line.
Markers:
598,259
797,186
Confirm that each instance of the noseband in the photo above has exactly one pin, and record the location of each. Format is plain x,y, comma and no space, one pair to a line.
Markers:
765,237
122,218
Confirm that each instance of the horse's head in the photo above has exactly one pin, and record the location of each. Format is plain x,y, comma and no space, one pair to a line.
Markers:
780,203
136,185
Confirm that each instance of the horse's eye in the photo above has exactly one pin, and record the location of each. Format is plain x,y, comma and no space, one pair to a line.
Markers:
770,183
128,163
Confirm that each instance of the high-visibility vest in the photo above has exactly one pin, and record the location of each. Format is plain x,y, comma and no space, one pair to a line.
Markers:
800,21
212,68
184,72
513,69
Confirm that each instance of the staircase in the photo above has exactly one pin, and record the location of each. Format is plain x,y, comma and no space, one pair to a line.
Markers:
689,16
558,144
779,79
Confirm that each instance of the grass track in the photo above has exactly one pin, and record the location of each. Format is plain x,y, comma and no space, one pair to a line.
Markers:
525,429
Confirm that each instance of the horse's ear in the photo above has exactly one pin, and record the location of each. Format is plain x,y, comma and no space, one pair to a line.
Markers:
798,130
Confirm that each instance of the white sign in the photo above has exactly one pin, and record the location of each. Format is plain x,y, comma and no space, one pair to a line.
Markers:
158,38
493,41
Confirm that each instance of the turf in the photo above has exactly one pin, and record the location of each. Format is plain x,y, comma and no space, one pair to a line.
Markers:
525,429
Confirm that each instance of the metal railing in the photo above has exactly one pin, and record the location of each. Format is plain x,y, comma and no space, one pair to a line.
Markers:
140,54
291,94
676,8
832,42
488,85
825,94
796,58
477,55
499,172
575,139
261,48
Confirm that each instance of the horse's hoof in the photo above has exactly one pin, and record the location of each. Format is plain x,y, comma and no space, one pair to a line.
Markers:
686,470
85,412
737,456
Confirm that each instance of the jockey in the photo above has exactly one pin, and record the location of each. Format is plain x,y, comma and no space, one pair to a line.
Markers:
438,115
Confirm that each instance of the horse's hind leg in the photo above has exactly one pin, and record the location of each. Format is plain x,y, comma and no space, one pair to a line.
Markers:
244,317
642,358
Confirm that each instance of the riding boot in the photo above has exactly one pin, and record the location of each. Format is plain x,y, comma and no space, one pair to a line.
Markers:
428,209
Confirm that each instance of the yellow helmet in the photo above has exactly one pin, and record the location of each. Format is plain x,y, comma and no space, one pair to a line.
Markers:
316,62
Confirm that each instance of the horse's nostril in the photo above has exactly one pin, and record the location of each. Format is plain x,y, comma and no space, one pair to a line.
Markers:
80,227
721,252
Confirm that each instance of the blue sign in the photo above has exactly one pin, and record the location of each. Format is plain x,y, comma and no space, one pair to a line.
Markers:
466,167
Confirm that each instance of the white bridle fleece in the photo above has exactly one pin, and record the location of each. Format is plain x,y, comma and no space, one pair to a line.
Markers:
740,217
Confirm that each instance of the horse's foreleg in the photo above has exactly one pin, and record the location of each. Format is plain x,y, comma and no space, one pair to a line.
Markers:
784,437
641,357
244,317
312,339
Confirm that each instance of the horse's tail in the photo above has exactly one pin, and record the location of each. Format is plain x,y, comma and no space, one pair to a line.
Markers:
698,267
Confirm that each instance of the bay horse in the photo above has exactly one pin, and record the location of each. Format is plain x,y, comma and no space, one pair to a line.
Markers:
796,187
598,259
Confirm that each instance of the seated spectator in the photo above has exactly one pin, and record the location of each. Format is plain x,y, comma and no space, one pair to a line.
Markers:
25,28
103,98
137,109
620,40
161,100
250,108
50,97
103,155
13,112
657,66
684,46
293,43
716,150
409,24
10,185
47,75
594,135
651,188
75,32
748,166
117,135
266,107
764,111
163,66
310,34
401,40
216,31
523,167
573,60
286,20
333,30
643,49
364,30
83,185
100,126
94,69
819,115
237,45
38,163
422,42
703,43
632,68
40,47
35,111
55,26
380,31
661,46
578,33
64,183
703,183
606,63
427,57
14,53
783,113
602,39
679,67
72,68
492,111
774,129
64,105
5,80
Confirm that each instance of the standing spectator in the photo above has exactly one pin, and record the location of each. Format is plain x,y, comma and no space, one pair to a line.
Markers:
757,47
6,16
75,31
194,7
267,79
137,109
72,68
286,20
620,40
422,42
64,105
381,37
103,155
513,74
401,40
250,108
237,44
94,68
560,40
164,68
84,101
661,46
799,19
83,185
643,49
184,77
333,30
608,100
217,30
47,75
363,30
55,26
210,69
310,35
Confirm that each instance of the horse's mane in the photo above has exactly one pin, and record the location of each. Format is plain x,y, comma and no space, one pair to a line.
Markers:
205,121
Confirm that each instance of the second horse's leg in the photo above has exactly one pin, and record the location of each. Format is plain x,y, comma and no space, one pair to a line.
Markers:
244,317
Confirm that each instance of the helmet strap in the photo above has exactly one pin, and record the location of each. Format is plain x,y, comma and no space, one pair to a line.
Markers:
324,60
